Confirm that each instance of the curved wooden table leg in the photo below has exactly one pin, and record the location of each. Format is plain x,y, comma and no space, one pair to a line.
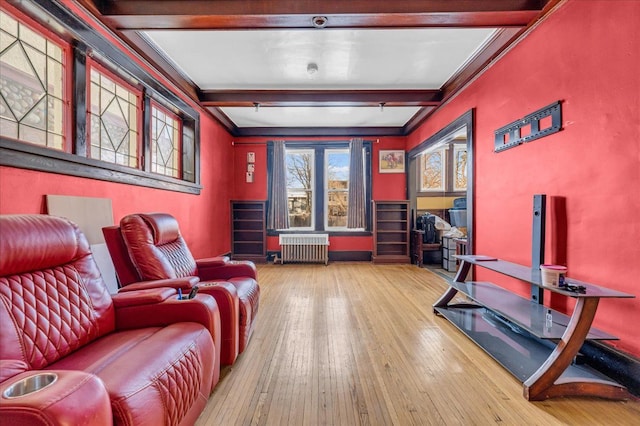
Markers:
461,275
543,383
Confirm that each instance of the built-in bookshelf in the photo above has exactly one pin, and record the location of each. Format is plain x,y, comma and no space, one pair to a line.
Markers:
391,232
248,231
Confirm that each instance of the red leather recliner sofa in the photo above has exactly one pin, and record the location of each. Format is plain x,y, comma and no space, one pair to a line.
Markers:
150,247
137,358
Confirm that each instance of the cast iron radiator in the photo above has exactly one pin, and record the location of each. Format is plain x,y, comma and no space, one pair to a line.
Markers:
304,248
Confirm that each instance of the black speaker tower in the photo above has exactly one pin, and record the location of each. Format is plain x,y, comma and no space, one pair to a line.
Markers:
537,241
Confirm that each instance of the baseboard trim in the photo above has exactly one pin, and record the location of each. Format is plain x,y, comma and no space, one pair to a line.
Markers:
350,256
620,366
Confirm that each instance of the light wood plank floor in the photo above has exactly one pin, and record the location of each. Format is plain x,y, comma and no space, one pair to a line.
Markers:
358,344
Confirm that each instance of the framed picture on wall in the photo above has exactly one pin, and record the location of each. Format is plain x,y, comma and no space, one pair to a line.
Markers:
391,161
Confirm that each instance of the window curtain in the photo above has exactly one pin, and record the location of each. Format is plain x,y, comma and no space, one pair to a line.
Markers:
278,217
356,213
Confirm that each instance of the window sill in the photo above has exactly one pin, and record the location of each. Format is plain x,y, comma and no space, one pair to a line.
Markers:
275,233
32,157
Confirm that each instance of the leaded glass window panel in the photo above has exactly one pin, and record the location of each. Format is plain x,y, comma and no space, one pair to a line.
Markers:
32,80
114,114
432,171
165,142
460,167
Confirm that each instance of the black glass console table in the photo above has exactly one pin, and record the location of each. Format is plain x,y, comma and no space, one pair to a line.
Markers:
516,332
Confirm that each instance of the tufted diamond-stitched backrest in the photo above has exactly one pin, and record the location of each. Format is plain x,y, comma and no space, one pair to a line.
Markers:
156,246
52,297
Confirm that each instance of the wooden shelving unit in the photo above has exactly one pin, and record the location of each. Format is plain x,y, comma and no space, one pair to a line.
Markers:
391,232
516,332
248,231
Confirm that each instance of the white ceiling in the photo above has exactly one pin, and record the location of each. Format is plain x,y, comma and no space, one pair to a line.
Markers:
320,116
347,59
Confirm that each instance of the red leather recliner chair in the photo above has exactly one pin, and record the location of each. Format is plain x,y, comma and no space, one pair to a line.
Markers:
70,353
150,247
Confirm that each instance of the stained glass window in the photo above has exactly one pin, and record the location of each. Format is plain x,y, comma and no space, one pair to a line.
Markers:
460,167
432,170
114,114
33,104
165,142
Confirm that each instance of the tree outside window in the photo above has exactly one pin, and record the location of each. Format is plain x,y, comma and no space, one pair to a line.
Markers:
337,187
299,165
317,182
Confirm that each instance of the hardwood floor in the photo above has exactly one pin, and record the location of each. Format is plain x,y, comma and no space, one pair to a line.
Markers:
358,344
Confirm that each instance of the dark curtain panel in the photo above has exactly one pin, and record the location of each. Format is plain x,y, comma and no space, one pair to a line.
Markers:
356,213
278,217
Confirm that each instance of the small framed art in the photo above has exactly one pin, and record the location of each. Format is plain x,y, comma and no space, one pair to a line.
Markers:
391,161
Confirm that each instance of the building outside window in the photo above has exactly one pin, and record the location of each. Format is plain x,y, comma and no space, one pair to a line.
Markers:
318,188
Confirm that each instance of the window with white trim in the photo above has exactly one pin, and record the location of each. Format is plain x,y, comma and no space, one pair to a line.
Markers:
336,188
300,187
318,186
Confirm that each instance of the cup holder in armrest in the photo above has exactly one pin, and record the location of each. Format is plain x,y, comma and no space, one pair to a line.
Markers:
29,385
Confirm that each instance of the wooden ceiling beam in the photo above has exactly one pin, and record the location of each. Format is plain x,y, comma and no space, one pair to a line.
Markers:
299,98
241,14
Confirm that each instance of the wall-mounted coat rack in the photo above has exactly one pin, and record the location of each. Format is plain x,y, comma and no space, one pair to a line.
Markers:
542,122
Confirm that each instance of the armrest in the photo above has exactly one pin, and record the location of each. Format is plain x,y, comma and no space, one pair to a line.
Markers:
231,269
202,309
185,283
213,261
74,398
150,296
226,296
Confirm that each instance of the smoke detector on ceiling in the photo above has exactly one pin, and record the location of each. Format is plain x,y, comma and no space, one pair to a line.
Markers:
312,68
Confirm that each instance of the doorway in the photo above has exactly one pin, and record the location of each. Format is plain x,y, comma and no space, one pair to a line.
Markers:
440,184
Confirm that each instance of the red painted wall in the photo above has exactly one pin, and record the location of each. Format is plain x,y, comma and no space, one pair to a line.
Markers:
204,218
388,186
590,170
385,186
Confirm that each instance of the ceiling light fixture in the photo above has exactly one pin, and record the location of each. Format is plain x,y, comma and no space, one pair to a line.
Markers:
312,68
319,21
256,105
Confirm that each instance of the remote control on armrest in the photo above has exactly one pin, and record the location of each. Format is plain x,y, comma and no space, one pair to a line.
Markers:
193,292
